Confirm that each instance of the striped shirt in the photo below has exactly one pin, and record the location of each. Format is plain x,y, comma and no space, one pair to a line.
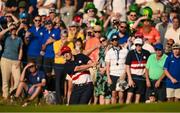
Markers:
137,61
78,77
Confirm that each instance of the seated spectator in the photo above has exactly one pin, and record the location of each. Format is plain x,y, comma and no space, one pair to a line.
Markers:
32,81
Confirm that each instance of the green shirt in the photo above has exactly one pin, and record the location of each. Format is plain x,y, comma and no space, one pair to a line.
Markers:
155,66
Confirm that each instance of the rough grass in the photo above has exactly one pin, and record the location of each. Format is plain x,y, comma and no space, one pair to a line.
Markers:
155,107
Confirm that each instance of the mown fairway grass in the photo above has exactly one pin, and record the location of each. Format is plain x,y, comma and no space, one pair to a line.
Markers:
156,107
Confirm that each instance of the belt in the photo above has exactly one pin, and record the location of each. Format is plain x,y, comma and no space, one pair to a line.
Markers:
82,84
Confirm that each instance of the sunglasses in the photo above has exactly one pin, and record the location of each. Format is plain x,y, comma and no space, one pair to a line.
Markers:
133,15
123,27
97,31
102,40
37,20
158,49
138,45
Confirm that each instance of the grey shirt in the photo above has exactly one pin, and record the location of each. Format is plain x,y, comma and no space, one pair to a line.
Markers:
11,48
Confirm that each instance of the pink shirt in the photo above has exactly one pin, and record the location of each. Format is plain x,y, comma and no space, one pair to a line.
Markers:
153,36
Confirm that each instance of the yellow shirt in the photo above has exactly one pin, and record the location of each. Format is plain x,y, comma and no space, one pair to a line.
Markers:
79,35
56,46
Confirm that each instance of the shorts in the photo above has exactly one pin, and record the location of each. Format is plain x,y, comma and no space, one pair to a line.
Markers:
30,93
114,82
140,85
173,93
48,65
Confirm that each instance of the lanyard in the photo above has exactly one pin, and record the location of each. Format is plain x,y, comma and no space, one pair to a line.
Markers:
138,58
117,54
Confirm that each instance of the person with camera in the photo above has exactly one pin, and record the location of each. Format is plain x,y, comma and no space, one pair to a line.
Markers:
11,59
115,67
32,81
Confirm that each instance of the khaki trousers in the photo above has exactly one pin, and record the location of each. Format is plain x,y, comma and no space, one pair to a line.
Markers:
9,68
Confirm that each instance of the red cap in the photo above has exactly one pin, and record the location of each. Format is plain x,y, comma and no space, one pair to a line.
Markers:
65,49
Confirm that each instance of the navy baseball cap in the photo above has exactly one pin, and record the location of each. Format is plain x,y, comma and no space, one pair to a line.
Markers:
158,46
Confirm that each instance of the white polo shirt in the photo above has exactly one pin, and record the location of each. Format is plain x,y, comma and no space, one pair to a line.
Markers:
172,34
117,68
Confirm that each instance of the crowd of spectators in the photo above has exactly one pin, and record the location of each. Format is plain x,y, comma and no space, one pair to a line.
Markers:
90,51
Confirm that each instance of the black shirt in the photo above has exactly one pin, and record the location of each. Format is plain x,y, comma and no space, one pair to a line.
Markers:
79,59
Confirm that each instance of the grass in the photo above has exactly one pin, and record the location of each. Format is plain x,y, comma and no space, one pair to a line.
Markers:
155,107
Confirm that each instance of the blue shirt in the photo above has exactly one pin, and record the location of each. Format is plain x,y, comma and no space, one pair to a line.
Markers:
11,48
55,34
172,65
123,39
35,41
35,79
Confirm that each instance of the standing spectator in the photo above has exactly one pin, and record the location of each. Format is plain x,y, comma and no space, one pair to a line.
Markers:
94,42
59,62
172,5
50,35
33,40
174,31
44,6
90,15
155,74
157,8
115,63
135,68
67,12
172,71
99,4
163,26
76,66
101,87
123,34
11,59
120,10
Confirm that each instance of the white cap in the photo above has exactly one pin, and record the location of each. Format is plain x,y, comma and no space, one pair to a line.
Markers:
138,41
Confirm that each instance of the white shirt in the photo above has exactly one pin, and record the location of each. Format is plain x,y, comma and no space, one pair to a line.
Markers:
99,4
111,57
172,34
45,11
119,7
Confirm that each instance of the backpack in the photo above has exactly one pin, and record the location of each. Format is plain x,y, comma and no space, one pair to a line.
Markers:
50,97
